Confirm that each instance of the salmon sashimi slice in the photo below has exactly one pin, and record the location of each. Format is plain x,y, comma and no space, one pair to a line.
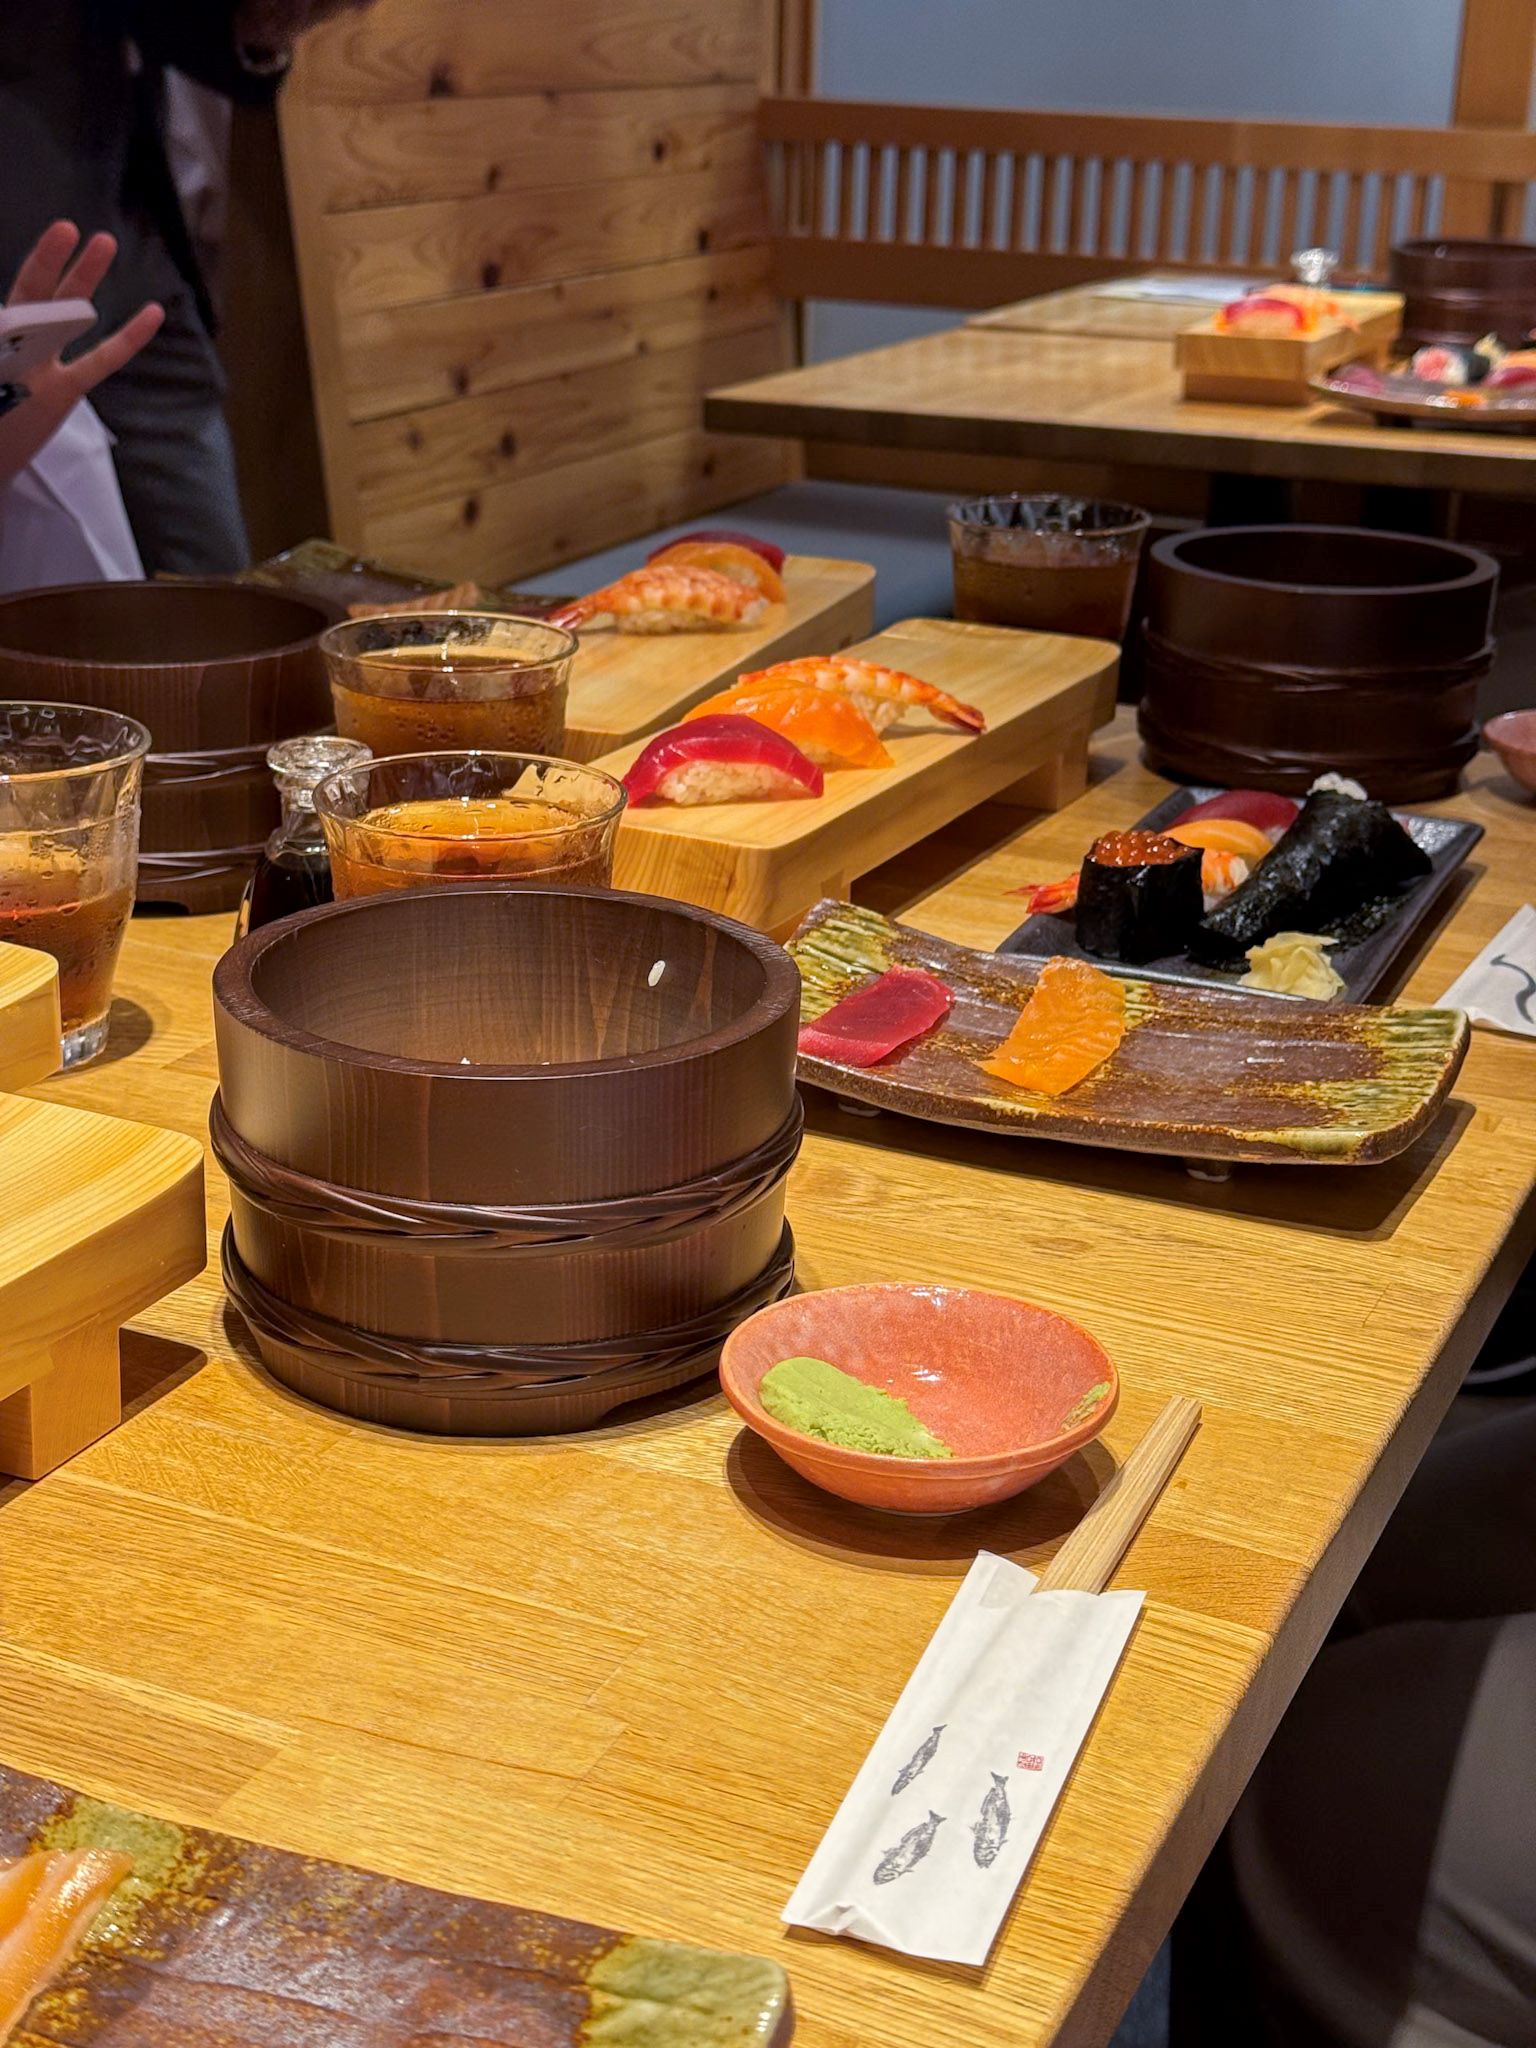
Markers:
47,1904
1069,1027
829,729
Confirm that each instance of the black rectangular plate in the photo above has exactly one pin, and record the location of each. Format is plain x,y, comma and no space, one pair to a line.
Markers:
1363,967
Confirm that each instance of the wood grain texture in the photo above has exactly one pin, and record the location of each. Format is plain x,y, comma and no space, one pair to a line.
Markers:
624,685
112,1220
415,458
496,197
1087,1560
473,1667
418,49
591,502
1278,369
1087,310
978,391
766,863
1493,89
29,1015
396,154
442,349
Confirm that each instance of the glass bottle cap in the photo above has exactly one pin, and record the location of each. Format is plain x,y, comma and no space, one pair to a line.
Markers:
299,764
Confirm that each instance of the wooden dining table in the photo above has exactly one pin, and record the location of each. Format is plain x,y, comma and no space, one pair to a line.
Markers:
1091,380
627,1676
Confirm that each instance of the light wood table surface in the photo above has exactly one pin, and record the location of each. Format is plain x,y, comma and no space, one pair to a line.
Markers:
628,1676
1090,310
1041,397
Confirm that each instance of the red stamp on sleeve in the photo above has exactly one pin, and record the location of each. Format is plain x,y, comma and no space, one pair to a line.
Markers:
1028,1761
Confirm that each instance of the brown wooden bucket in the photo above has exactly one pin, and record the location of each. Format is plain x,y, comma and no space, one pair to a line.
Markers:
217,671
1274,654
1455,292
503,1158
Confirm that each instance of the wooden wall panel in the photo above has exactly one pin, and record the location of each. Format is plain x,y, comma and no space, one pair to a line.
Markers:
529,238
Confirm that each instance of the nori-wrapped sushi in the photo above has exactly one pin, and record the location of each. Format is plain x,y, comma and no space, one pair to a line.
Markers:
1342,854
1138,897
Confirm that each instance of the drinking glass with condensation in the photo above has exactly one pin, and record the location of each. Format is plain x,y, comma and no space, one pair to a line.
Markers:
413,681
468,816
1058,565
70,779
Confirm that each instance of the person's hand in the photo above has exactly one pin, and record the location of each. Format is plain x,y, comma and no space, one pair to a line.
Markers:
58,268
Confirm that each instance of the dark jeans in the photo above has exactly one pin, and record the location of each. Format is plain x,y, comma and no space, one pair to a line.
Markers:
175,461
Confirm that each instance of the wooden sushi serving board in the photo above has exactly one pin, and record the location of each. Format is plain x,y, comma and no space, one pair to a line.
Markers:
625,685
766,863
113,1219
214,1942
29,1015
1256,369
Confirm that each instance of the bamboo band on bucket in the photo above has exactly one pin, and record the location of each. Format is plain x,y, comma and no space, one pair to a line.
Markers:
358,1216
368,1356
1274,675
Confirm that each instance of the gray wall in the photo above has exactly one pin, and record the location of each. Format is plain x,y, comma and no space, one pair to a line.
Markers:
1307,60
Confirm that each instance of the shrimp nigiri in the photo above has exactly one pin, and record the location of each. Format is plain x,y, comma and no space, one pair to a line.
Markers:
882,694
47,1903
666,599
829,729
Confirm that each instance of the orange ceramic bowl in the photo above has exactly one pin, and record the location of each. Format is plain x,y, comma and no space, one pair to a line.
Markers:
1512,736
1011,1388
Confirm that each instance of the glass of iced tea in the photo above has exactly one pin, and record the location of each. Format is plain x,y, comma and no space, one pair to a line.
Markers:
69,850
1058,565
416,680
468,817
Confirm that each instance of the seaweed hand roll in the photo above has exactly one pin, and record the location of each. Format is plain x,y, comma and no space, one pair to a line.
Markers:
1343,854
1138,897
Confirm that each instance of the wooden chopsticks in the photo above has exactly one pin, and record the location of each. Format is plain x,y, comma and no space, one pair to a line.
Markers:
1086,1562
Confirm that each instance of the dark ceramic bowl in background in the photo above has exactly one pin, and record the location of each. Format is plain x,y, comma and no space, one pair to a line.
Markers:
217,671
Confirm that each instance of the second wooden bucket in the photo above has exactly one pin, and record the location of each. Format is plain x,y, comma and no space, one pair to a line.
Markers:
503,1158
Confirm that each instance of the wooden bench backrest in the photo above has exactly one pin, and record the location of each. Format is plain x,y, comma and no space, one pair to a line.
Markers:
952,206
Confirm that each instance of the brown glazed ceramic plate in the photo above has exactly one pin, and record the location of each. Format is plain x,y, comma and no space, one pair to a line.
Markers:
218,1943
1202,1073
1400,397
319,568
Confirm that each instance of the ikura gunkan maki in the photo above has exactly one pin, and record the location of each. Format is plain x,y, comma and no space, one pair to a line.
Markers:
1138,897
1344,855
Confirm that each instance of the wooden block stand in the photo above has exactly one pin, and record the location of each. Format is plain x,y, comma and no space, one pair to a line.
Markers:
29,1016
101,1218
767,863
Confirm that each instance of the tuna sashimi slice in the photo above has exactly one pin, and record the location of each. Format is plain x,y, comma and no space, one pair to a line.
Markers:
1269,813
877,1019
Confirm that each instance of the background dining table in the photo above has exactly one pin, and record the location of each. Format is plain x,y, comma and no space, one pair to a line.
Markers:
1083,376
628,1675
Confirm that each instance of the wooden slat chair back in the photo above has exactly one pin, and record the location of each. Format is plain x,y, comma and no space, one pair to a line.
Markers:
951,206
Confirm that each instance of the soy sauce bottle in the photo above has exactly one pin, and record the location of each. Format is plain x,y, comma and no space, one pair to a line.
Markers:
293,872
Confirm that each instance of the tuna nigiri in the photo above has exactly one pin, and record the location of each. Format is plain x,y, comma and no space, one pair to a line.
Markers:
882,694
1265,314
725,558
47,1904
666,599
1072,1023
829,728
877,1019
770,552
720,761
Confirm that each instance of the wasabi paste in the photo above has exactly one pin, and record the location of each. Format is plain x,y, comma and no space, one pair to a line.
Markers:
822,1401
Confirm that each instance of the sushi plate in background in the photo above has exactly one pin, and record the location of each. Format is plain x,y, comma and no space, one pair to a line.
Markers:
1394,395
1202,1073
1362,962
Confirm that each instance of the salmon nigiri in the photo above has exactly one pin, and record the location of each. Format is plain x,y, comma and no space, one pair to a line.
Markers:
1069,1027
666,598
726,558
830,729
882,694
47,1904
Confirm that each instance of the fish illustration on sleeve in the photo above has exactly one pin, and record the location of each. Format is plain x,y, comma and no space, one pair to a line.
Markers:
919,1760
910,1850
1525,995
991,1831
